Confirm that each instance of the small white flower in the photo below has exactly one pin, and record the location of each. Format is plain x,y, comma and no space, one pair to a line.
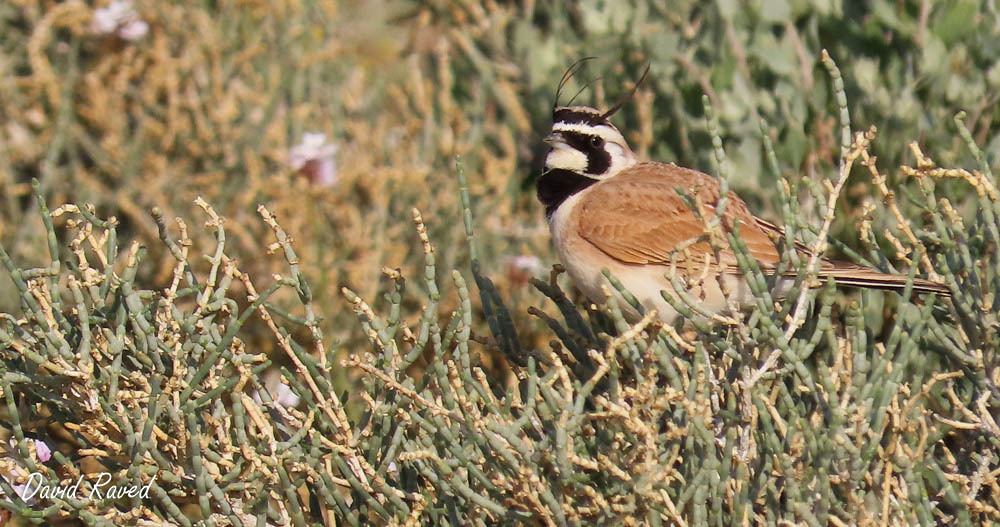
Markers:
527,264
520,269
285,396
314,157
119,18
281,394
17,472
134,30
22,492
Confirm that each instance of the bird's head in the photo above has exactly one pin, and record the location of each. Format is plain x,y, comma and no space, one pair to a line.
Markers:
584,142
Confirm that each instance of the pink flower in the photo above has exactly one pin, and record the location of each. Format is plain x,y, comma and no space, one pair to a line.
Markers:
119,18
314,157
521,268
43,451
17,472
285,396
281,395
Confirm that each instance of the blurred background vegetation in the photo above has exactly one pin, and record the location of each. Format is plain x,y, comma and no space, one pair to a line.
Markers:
341,117
212,97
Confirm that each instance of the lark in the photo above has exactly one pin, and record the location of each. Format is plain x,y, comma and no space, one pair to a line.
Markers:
607,209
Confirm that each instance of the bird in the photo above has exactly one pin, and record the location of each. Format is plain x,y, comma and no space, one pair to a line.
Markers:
607,210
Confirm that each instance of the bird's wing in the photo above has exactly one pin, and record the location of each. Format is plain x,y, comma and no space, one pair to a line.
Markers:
638,217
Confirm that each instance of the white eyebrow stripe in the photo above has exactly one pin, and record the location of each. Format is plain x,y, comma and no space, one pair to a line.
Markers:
607,132
575,127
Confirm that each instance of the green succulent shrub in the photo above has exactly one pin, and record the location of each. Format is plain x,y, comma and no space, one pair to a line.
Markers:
324,353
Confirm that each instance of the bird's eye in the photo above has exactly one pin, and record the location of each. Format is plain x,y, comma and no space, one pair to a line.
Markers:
596,141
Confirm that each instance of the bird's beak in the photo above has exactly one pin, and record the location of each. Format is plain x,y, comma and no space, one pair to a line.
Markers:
554,139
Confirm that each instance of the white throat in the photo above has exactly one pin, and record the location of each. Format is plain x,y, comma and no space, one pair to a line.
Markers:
564,157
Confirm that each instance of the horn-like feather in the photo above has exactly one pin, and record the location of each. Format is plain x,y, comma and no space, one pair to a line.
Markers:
625,99
566,77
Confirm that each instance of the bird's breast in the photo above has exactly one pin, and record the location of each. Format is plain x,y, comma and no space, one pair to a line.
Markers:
556,186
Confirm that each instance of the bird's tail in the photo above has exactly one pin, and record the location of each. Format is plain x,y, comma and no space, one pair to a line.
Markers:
859,276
